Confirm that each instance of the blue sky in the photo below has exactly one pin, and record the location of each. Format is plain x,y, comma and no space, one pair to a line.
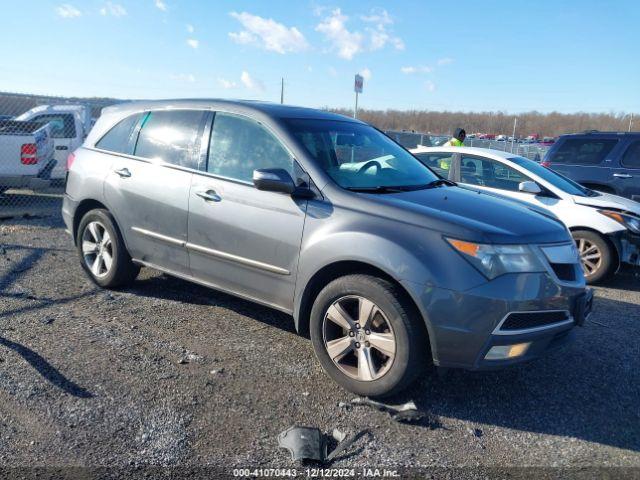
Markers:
492,55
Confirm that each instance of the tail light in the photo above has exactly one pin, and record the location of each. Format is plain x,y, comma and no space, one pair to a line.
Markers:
70,159
29,154
545,163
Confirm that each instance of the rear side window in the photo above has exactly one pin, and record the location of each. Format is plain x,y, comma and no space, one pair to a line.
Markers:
118,139
631,157
61,125
240,145
171,136
583,151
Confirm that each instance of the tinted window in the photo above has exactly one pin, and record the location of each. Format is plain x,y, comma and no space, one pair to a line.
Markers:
490,173
171,136
61,125
358,156
438,162
631,157
239,145
583,151
118,139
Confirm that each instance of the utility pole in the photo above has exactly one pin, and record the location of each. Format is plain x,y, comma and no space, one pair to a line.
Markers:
631,122
282,90
513,137
355,110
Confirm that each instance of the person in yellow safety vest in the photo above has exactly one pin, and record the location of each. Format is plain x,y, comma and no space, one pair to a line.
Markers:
458,138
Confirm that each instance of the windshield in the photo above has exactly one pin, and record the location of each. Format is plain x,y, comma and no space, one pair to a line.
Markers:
358,156
555,179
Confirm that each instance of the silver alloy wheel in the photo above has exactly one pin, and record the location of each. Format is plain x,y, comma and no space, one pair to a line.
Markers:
97,249
359,338
590,256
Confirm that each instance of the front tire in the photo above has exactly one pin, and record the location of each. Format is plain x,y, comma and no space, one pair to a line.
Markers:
102,252
596,255
367,335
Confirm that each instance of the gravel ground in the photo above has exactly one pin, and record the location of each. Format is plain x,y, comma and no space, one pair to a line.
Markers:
171,374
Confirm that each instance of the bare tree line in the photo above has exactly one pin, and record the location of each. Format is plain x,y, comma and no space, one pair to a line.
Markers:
544,124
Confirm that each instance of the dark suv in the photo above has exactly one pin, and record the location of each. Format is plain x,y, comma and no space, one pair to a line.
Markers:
604,161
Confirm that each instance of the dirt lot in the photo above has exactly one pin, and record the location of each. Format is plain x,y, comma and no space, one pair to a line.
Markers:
170,374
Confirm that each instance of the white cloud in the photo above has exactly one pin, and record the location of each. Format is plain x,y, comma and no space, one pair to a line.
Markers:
378,15
347,43
268,34
67,10
113,9
190,28
430,86
184,77
193,43
418,69
226,84
251,83
160,5
445,61
366,74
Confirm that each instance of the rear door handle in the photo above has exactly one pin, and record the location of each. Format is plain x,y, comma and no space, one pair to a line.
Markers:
622,175
62,147
209,196
123,172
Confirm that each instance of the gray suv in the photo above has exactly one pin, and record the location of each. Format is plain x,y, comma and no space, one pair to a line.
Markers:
604,161
381,262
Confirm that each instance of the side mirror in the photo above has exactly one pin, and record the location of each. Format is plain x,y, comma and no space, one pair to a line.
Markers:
529,187
273,180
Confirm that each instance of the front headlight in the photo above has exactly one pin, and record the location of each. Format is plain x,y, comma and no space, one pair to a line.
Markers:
630,222
496,260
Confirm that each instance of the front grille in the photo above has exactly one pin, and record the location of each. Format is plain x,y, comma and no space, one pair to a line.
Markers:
528,320
564,271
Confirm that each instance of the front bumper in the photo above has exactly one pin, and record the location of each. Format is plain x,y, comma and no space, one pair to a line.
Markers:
463,326
629,248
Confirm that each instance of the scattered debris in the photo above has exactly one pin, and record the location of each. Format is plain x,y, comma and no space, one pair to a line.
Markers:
309,443
47,320
476,432
189,357
217,371
405,413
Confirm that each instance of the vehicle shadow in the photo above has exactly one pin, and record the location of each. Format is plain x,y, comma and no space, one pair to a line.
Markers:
627,279
588,390
172,288
44,368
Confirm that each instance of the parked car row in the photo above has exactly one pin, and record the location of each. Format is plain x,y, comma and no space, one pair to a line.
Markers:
605,227
385,264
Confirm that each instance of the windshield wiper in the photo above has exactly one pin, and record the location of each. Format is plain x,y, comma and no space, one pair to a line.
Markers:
441,181
378,189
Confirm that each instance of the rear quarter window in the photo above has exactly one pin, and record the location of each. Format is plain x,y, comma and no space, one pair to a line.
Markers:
118,139
583,151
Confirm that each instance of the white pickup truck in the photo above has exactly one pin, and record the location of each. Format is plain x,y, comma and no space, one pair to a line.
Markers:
26,155
69,126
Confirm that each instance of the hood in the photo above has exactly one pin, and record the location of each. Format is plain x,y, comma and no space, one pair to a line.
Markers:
606,200
475,216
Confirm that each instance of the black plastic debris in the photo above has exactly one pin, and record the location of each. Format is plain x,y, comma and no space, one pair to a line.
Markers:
310,444
405,413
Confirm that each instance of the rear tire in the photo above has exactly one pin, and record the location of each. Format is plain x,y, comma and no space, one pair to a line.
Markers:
597,256
377,326
102,251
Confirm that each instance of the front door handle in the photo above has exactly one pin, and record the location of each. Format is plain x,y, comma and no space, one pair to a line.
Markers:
209,196
622,175
123,172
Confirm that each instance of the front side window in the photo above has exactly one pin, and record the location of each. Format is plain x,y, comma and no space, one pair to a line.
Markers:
554,178
239,145
118,139
357,156
583,151
438,162
61,125
631,157
490,173
171,136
